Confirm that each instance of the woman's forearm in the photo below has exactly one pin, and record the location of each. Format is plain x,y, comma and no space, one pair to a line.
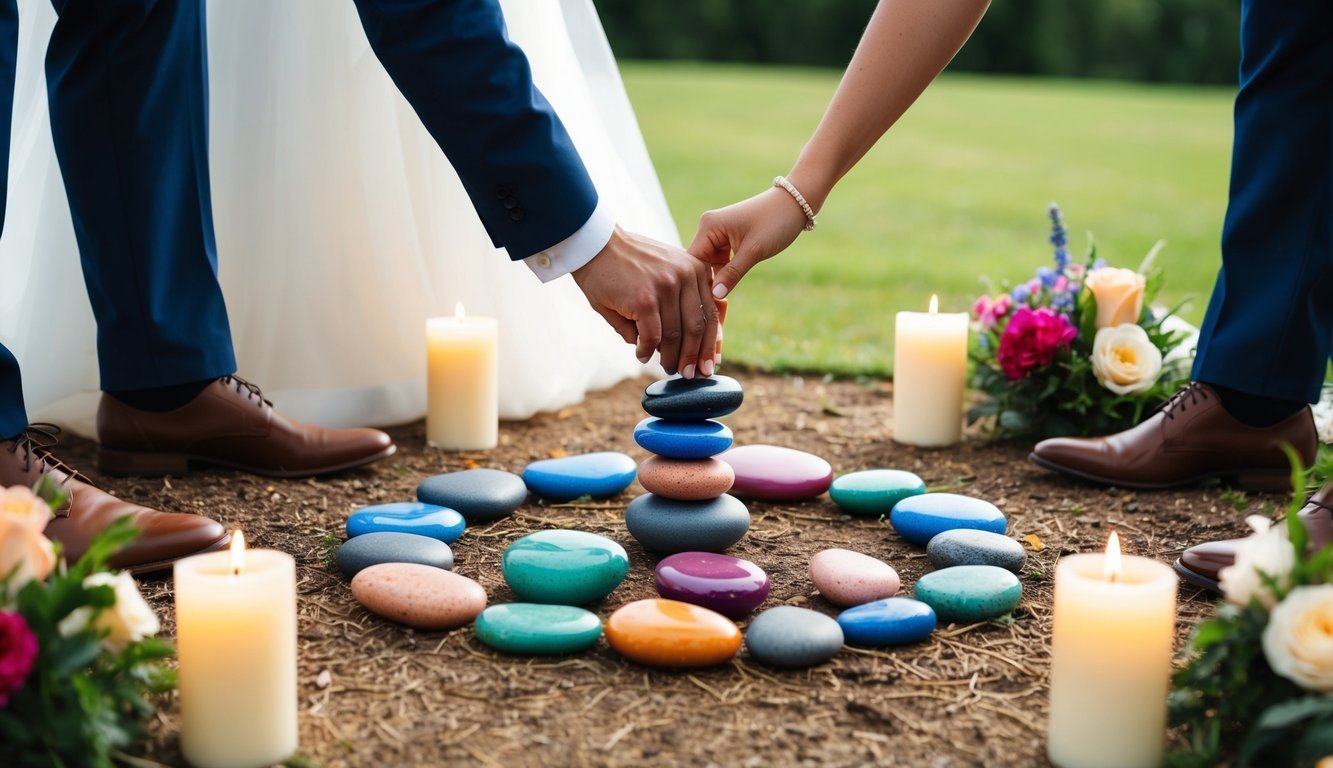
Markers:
905,45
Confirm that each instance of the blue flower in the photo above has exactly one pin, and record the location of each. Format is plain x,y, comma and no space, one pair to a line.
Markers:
983,341
1098,264
1047,276
1020,293
1059,237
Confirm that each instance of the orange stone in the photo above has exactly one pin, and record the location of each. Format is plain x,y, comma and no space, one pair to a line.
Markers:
669,633
686,479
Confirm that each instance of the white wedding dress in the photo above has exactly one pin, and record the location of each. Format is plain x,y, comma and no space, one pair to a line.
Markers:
340,225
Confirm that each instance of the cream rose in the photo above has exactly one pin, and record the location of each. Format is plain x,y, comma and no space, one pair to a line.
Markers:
1124,360
1298,640
23,548
129,620
1119,295
1268,550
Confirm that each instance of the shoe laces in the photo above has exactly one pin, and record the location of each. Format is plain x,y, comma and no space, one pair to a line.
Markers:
250,390
36,442
1188,395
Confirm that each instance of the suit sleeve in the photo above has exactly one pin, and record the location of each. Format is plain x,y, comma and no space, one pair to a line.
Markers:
473,90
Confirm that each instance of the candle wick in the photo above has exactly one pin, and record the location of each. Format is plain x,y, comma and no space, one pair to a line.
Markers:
236,571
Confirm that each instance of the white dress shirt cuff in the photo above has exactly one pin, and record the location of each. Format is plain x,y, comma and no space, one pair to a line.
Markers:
577,249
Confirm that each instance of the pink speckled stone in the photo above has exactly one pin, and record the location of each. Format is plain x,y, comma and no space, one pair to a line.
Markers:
684,479
419,595
846,578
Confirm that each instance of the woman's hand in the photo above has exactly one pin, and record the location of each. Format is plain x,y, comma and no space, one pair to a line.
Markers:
735,238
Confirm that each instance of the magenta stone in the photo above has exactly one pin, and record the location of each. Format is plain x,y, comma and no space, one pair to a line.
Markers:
721,583
774,473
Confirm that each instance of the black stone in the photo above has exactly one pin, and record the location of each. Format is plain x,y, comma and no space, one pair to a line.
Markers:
479,495
361,552
668,525
693,399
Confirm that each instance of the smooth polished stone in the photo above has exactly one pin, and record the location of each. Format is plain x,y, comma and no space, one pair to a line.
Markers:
537,629
774,473
599,475
921,518
892,621
686,479
729,585
682,439
408,517
792,637
565,567
667,525
964,546
846,578
480,495
966,594
361,552
873,492
669,633
418,595
693,399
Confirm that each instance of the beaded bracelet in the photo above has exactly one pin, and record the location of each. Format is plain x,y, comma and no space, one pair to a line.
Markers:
781,181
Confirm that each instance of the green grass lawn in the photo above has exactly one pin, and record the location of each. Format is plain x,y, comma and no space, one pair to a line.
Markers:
955,193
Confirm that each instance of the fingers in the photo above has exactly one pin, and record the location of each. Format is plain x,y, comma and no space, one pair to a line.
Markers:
697,316
711,243
622,325
649,325
726,277
712,326
670,300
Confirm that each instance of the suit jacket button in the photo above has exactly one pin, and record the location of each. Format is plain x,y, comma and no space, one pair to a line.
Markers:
503,192
510,202
544,261
516,214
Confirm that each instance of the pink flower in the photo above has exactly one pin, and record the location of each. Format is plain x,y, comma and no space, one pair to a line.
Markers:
18,651
1061,284
988,311
1031,340
1034,286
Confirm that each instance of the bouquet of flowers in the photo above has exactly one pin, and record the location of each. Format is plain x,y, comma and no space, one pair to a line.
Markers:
1075,350
78,661
1258,685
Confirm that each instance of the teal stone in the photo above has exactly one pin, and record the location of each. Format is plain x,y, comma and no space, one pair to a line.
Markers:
564,567
966,594
873,492
536,629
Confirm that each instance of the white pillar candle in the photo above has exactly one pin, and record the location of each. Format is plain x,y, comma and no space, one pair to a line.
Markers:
236,642
462,382
929,376
1110,660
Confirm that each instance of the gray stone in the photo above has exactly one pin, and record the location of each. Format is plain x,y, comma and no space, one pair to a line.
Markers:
479,495
787,636
667,525
964,546
361,552
693,399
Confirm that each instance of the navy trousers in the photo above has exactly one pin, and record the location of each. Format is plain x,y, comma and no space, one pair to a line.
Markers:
127,85
1269,326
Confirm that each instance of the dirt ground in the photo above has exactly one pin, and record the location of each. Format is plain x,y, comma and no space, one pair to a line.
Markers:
376,694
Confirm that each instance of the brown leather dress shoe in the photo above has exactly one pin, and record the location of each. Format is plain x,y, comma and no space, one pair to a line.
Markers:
1201,564
229,424
1191,438
164,537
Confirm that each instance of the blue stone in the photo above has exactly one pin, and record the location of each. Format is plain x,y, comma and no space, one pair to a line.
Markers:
408,517
792,637
966,594
682,439
599,475
891,621
369,549
667,525
564,567
966,546
480,495
693,399
920,518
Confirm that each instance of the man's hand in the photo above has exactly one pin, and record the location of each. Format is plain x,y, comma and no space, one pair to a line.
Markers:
657,297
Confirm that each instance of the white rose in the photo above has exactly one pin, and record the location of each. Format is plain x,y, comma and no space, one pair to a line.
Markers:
24,550
1268,550
1124,360
1298,640
1119,295
128,621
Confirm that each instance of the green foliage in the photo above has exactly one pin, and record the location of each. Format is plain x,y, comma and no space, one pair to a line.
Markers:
82,704
947,196
1227,697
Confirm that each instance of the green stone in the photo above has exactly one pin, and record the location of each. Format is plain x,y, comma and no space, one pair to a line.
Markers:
564,567
873,492
538,629
966,594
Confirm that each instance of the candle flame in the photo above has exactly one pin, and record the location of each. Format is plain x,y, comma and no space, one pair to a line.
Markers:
934,304
1112,571
458,311
237,551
